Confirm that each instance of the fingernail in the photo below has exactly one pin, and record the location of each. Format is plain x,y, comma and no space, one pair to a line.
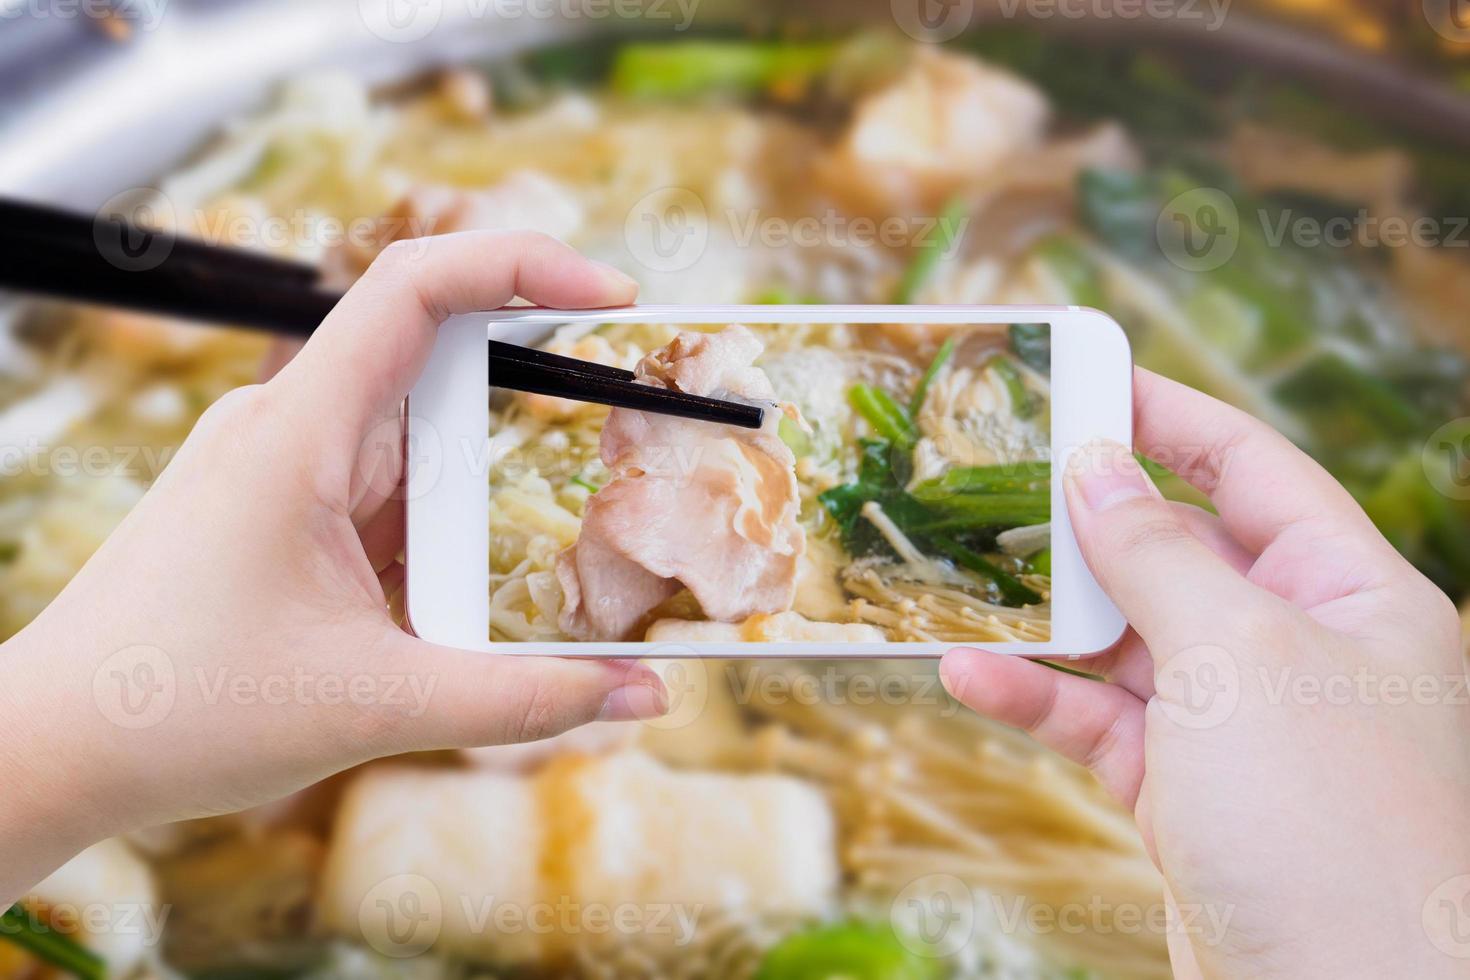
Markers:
1106,474
613,272
637,700
952,670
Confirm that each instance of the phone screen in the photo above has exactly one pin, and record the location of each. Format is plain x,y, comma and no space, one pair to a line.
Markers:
900,490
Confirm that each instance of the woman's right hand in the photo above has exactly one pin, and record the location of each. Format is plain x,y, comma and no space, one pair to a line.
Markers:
1287,717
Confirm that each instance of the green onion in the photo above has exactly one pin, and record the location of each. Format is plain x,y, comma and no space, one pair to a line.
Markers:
582,481
1023,402
887,417
946,351
796,440
783,296
1086,676
923,266
1002,510
851,951
696,68
50,946
1000,478
1011,588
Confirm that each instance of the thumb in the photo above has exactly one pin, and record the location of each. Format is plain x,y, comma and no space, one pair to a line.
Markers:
1169,585
474,699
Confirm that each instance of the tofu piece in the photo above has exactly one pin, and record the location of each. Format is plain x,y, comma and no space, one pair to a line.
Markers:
439,843
524,870
106,899
701,843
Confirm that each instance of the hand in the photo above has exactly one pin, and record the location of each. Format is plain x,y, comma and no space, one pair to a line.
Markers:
1286,718
231,641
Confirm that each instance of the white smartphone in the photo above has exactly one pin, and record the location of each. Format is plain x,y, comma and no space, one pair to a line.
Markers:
902,499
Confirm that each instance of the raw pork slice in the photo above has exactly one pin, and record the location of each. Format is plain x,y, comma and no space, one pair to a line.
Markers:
712,508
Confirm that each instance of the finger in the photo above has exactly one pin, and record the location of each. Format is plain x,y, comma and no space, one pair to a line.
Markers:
390,579
1094,724
1267,490
1128,663
1169,585
362,360
498,699
1213,534
382,533
277,356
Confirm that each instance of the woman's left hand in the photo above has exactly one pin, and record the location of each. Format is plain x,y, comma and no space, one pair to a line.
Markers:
231,641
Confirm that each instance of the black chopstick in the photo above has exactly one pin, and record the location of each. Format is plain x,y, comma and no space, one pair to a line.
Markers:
288,309
113,263
530,355
57,253
524,369
40,223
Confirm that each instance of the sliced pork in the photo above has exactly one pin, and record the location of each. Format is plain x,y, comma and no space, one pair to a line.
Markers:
711,508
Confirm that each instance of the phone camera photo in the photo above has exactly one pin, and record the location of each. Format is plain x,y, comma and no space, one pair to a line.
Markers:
897,489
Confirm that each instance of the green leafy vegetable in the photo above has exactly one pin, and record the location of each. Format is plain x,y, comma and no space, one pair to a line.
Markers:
972,511
700,68
921,269
941,359
46,944
783,296
850,951
937,527
878,480
1121,208
1023,402
887,417
999,478
795,438
1011,588
1031,342
1086,676
1040,563
1076,269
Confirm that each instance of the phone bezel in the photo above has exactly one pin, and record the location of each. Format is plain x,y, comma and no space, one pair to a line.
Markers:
446,438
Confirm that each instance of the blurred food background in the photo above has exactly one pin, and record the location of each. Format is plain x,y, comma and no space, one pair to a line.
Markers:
1272,197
